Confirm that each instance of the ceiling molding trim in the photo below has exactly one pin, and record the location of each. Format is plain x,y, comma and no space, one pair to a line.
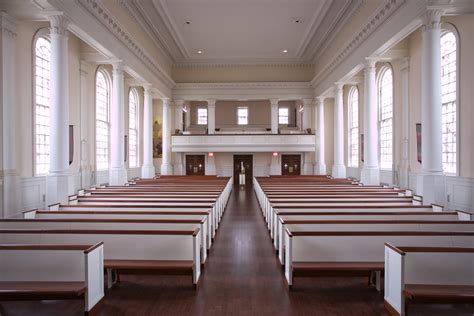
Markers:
342,18
101,13
383,12
228,65
161,37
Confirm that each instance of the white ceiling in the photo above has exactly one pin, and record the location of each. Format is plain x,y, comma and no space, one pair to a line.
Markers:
241,30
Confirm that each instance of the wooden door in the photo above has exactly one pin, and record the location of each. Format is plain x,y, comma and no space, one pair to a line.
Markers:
290,165
195,165
247,161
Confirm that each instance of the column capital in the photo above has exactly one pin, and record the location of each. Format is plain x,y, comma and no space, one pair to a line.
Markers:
8,24
307,102
148,89
166,102
339,86
320,99
179,103
370,63
117,67
431,18
274,101
58,22
211,102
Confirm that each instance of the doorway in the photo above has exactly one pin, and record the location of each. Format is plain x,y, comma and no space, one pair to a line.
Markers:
290,165
247,162
195,165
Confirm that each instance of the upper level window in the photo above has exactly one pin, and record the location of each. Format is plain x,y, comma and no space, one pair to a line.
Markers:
283,116
448,100
202,116
353,129
385,100
102,120
242,115
42,104
133,128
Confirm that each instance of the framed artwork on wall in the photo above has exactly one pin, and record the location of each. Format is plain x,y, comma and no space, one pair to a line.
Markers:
418,142
71,144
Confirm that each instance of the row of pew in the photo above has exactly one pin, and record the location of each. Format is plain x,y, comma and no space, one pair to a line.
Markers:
323,227
162,226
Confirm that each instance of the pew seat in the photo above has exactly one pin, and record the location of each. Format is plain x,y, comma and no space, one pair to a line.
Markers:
438,293
41,290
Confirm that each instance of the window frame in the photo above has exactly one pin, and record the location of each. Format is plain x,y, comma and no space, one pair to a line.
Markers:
350,127
134,92
380,76
287,115
41,33
445,28
246,108
201,108
108,81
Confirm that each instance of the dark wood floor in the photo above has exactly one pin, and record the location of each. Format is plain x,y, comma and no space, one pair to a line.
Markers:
242,277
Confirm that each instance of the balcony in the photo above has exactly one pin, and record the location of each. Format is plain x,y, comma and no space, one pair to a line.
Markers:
243,143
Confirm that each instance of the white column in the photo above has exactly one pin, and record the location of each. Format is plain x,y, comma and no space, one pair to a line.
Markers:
338,169
117,171
211,166
370,173
307,107
211,116
85,168
431,183
275,166
148,169
187,116
178,114
11,204
166,168
405,163
320,166
58,180
274,115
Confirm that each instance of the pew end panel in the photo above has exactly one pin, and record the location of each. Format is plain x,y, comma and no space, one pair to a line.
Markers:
429,275
47,271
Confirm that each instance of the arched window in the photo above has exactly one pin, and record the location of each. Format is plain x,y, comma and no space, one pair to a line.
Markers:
385,100
42,104
353,121
448,100
133,128
102,119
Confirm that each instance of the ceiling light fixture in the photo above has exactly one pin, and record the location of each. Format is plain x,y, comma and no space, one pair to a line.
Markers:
285,51
187,22
199,52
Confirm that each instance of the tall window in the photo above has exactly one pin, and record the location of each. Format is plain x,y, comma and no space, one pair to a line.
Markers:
386,118
202,116
283,116
42,104
133,128
102,120
242,115
448,100
353,136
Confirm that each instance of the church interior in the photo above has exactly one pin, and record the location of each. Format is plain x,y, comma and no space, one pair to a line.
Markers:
237,157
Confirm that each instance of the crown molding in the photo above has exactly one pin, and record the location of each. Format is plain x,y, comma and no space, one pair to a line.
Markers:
231,65
381,14
337,18
100,12
146,16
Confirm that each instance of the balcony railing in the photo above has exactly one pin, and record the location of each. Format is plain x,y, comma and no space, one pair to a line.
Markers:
243,143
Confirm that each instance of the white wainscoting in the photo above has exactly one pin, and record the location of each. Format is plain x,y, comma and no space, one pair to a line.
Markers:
134,173
101,177
386,177
459,191
33,192
353,172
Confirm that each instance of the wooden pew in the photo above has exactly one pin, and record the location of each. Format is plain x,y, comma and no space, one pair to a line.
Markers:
351,253
362,224
53,272
115,224
438,274
127,251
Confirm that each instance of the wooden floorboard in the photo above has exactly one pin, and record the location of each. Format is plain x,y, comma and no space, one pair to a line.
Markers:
242,276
